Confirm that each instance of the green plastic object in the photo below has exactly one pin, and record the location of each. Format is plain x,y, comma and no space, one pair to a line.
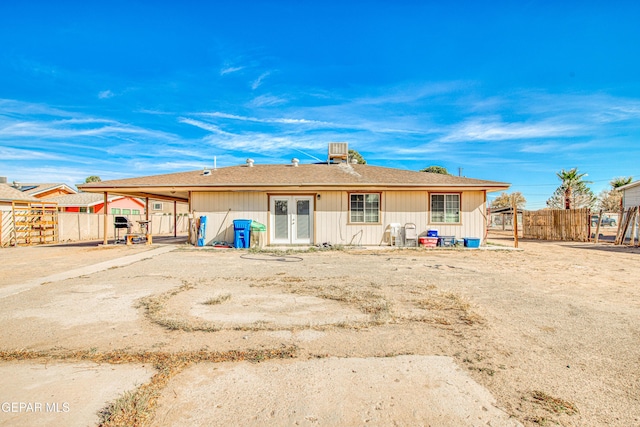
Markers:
257,226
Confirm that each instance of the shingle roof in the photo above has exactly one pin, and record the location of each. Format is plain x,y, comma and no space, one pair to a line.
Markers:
303,175
8,193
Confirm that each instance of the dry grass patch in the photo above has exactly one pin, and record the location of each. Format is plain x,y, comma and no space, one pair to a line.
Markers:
217,300
365,300
137,408
154,309
553,404
449,302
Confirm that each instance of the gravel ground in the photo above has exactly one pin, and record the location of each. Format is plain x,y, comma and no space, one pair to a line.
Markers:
550,331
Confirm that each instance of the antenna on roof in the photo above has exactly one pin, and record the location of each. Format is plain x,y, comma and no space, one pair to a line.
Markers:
215,165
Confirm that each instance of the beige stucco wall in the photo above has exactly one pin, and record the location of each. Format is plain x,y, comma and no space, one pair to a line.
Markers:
331,217
83,226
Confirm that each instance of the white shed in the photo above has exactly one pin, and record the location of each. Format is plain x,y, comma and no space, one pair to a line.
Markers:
630,195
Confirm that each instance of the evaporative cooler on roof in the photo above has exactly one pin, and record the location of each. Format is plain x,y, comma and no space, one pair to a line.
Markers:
338,150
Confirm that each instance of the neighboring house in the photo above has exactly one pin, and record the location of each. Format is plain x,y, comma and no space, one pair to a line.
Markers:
9,194
44,191
163,207
94,203
630,195
316,203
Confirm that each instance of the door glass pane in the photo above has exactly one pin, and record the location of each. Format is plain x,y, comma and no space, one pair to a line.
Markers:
281,218
303,223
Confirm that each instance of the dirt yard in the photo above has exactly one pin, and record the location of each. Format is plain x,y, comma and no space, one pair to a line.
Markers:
547,335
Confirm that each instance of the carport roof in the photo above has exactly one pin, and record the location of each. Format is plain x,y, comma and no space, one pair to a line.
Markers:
176,186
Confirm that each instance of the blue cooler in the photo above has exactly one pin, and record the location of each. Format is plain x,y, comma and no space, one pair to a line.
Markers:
241,233
471,242
432,233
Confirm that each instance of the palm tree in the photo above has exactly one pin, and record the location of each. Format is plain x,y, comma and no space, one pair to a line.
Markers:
572,183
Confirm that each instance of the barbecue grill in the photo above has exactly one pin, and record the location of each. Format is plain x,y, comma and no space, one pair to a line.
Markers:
119,223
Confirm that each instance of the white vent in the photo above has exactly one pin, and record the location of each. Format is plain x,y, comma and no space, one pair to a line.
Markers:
206,172
295,162
338,150
250,163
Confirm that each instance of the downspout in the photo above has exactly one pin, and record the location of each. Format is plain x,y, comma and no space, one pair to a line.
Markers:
175,219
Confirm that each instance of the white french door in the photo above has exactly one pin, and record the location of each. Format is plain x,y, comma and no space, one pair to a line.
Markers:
291,219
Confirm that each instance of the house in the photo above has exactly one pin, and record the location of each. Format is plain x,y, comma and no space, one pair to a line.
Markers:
25,219
340,203
162,207
10,194
44,190
94,203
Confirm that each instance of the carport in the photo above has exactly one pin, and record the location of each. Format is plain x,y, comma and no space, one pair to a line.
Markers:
141,191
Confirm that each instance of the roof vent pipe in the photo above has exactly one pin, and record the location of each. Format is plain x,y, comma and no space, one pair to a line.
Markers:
250,163
295,162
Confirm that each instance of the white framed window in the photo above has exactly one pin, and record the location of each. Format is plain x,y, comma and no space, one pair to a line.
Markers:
156,206
126,211
115,211
445,208
364,208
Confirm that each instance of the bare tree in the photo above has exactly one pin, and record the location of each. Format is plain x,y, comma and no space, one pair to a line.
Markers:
505,200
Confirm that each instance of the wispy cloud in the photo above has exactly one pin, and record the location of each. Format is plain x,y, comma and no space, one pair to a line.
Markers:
203,125
7,153
267,120
230,70
258,82
105,94
267,101
64,129
478,130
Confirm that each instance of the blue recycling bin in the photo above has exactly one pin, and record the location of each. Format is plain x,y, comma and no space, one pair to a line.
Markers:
202,230
241,233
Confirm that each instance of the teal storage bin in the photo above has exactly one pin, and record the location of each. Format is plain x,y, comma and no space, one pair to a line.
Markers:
471,242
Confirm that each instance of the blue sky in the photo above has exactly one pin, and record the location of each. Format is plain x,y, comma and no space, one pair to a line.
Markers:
507,91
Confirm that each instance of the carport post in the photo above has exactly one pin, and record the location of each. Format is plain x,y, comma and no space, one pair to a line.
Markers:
106,203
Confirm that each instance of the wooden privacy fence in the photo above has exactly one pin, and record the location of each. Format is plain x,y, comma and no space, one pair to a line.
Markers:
557,224
628,224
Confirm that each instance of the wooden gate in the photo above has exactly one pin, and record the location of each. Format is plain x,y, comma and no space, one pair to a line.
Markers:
557,224
34,223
